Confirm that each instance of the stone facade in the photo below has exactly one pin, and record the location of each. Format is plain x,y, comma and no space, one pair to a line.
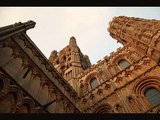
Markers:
67,83
29,83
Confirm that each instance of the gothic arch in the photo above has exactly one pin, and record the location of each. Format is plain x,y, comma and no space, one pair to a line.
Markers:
103,108
16,64
8,102
26,100
49,84
52,97
14,94
120,57
5,54
16,90
140,88
29,103
24,77
44,94
141,85
34,86
90,76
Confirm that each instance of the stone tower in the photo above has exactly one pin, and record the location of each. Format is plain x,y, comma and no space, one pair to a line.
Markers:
123,81
70,62
142,34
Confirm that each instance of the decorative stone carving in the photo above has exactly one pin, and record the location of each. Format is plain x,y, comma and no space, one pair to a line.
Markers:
140,38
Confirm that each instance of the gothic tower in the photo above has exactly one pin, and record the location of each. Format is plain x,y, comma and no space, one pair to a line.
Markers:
70,62
142,34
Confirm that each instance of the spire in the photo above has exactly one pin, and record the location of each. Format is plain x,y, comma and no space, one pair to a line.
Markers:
54,52
72,41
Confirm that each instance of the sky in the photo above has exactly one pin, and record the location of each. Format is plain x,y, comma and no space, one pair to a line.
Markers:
55,26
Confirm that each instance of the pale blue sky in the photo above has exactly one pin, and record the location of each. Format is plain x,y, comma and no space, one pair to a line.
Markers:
55,25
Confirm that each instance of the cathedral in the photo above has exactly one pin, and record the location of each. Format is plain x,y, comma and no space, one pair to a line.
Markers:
126,81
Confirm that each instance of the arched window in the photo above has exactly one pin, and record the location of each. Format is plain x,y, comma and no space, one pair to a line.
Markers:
153,95
104,109
123,64
93,83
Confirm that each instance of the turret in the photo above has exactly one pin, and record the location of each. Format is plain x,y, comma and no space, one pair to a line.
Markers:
70,62
142,34
72,41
